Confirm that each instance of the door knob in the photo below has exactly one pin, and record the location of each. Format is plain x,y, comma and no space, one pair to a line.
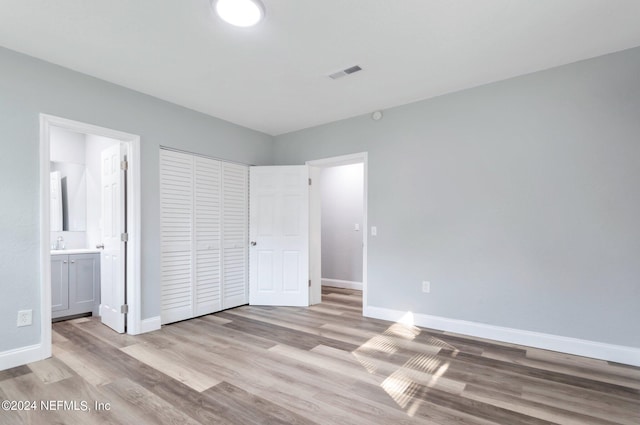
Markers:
100,246
254,243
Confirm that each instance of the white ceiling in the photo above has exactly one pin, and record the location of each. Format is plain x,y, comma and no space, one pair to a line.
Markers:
273,77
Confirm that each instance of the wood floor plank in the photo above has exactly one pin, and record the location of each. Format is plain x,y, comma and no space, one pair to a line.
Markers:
56,338
51,370
280,334
252,409
565,378
14,372
114,362
330,364
210,329
29,388
580,400
84,365
532,408
368,412
99,330
575,369
416,408
144,407
171,364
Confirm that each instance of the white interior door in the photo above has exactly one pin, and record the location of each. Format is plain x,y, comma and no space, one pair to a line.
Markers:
112,271
279,234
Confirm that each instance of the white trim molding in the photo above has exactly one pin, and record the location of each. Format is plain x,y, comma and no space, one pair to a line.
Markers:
149,325
23,355
43,349
314,167
346,284
579,347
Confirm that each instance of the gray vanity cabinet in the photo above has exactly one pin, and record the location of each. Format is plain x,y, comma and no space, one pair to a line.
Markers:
59,284
75,284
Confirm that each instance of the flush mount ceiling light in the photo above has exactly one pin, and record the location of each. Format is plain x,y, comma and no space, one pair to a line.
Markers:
241,13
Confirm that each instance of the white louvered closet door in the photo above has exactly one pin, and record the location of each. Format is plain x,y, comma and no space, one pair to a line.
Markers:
235,225
204,235
176,236
208,235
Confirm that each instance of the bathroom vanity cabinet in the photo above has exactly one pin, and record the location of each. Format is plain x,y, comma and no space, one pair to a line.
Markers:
75,284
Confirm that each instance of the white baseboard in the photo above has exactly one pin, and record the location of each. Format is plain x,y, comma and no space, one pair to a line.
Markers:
23,355
580,347
346,284
149,325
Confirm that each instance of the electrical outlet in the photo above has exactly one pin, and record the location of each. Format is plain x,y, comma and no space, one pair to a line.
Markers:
426,286
25,317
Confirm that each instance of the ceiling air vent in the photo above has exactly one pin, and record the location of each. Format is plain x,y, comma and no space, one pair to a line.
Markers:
345,72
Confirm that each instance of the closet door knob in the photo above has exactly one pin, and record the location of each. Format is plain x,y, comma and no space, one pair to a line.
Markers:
254,243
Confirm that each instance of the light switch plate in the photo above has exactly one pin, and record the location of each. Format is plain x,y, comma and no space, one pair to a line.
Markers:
426,286
374,231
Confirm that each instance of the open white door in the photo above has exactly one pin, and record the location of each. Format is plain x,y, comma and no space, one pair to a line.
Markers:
279,234
112,270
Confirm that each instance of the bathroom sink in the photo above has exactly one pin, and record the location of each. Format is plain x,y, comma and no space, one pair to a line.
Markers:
74,251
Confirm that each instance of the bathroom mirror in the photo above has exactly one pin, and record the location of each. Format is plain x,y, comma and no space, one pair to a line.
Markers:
68,197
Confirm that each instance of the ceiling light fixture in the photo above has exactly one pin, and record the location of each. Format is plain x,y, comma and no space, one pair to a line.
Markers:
241,13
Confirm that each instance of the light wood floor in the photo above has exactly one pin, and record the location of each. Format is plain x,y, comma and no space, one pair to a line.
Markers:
319,365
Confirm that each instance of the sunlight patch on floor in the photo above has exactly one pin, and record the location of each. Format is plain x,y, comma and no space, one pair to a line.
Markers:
421,370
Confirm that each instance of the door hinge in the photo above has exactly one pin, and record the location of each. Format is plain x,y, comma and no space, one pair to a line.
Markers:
124,308
309,182
309,283
124,165
124,237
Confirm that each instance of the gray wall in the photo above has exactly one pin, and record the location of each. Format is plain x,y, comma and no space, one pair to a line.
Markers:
518,200
341,203
29,87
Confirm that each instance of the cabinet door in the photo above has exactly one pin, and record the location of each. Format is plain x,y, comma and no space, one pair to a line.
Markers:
59,284
84,270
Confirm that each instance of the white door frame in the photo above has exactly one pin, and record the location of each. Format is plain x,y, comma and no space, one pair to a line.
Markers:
132,143
315,242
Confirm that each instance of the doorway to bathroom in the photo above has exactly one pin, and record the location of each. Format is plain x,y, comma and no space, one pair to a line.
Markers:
90,223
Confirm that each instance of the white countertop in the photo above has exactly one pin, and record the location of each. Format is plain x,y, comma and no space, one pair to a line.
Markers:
75,251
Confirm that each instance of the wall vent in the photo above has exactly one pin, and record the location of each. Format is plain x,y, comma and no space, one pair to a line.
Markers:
345,72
